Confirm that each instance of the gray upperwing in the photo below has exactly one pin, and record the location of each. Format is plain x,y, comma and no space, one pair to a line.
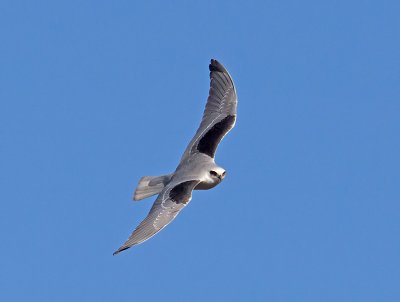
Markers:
166,207
219,115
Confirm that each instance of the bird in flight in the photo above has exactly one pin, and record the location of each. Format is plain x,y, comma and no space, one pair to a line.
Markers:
197,169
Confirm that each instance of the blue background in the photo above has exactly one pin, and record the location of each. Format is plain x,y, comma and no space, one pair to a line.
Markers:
96,94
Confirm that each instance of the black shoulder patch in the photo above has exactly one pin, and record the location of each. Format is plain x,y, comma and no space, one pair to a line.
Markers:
209,142
182,192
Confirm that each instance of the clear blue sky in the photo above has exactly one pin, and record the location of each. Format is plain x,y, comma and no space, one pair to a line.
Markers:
96,94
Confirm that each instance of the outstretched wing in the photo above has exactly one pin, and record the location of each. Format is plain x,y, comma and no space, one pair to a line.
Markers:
219,115
166,207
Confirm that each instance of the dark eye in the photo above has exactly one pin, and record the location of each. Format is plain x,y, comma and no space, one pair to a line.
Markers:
213,173
224,173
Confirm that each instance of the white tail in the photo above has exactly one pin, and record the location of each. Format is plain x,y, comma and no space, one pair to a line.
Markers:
150,185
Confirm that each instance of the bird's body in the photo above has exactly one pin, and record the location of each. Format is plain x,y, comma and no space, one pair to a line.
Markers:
197,169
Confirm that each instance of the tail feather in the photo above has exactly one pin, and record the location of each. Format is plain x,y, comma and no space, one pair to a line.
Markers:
150,185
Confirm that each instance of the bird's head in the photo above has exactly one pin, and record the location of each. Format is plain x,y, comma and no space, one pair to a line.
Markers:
217,173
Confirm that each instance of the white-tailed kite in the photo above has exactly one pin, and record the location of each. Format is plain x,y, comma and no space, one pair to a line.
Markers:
197,169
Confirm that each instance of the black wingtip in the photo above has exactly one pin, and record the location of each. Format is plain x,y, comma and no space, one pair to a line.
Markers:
216,66
120,250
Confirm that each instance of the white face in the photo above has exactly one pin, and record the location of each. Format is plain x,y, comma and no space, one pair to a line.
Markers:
217,173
